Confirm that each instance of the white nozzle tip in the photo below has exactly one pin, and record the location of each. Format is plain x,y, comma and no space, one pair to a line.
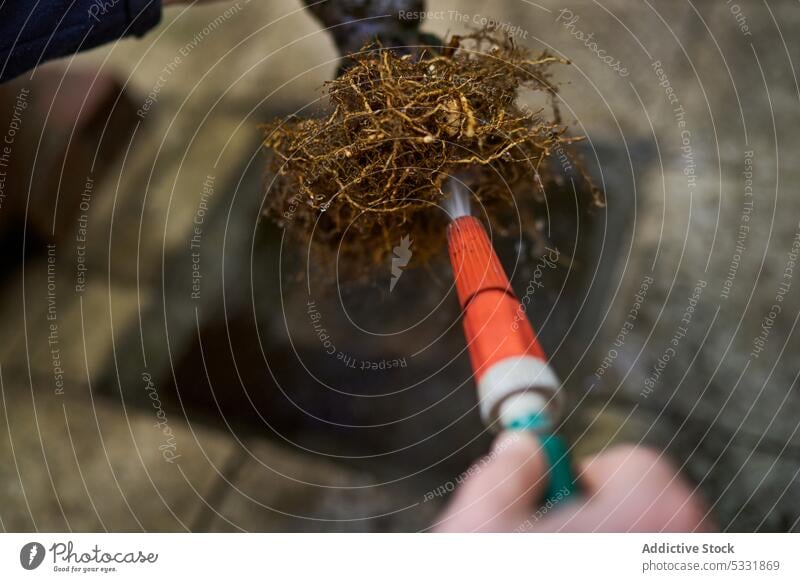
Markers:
517,387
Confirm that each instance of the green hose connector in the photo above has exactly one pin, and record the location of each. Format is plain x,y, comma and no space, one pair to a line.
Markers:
561,481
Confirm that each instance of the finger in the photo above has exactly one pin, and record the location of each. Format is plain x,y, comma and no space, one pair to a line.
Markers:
631,489
502,487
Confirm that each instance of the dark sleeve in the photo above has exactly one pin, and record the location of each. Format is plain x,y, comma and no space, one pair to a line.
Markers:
32,32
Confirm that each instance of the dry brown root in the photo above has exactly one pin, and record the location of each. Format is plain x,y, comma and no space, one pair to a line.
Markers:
357,181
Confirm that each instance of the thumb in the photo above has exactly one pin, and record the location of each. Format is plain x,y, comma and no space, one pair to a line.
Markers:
501,488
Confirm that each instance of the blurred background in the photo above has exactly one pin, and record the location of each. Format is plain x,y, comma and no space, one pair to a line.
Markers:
170,361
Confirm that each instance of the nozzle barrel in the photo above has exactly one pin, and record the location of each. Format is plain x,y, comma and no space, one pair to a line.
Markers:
513,377
517,389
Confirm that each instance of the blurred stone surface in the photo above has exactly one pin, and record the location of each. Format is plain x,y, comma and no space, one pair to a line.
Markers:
278,491
77,463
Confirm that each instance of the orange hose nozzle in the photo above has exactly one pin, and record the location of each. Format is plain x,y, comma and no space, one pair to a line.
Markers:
505,354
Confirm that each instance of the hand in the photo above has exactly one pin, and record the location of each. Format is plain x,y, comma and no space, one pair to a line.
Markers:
627,488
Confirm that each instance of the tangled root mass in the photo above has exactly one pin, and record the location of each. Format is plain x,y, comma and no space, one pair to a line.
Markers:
373,171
